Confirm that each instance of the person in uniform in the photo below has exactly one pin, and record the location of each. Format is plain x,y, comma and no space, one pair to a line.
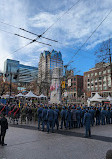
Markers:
63,114
68,118
87,123
44,117
74,121
56,117
56,121
98,114
4,127
108,116
91,111
103,115
50,119
78,117
39,112
111,116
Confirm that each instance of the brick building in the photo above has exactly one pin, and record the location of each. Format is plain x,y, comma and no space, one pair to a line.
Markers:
74,85
98,79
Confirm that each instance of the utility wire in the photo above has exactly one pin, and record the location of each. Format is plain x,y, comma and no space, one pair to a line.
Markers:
39,36
18,50
60,17
33,40
90,36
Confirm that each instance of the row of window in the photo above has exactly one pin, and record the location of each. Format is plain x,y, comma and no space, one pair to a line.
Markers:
97,83
96,88
99,73
98,79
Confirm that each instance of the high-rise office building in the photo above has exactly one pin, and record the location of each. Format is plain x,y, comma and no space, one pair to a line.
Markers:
19,73
48,61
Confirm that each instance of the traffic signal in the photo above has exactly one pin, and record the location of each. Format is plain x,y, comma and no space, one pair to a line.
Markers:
63,84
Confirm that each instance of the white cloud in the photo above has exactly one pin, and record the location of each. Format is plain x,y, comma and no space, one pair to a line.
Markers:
77,25
71,30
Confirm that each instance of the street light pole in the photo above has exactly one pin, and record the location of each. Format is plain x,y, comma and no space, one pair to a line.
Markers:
10,83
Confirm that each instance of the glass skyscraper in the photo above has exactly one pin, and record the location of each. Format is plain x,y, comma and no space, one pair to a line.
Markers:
24,74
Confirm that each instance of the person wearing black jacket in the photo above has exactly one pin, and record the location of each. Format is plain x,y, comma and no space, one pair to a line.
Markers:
4,127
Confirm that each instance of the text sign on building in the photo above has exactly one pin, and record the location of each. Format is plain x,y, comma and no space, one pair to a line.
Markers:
69,82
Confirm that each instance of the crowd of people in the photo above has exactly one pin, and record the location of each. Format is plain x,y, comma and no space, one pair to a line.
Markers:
59,117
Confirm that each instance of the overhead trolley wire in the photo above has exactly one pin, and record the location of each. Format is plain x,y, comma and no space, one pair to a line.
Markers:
90,36
33,40
43,32
60,17
39,36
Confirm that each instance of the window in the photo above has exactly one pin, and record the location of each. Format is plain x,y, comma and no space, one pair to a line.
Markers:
91,74
88,80
104,87
96,74
100,83
99,73
88,89
100,78
104,72
88,75
75,79
95,83
108,71
88,84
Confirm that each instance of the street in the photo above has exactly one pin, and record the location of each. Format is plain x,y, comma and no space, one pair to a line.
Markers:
26,143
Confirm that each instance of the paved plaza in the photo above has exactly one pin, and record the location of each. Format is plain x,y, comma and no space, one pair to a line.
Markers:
29,143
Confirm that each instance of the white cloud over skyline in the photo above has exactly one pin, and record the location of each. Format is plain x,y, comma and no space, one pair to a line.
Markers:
71,30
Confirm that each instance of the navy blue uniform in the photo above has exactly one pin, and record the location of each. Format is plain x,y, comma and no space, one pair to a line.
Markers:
63,117
39,111
68,118
87,123
50,120
44,118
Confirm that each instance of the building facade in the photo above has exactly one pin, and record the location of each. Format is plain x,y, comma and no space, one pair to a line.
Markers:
19,73
98,79
48,61
75,86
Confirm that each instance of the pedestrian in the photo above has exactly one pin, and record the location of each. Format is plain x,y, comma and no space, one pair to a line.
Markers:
39,112
108,116
63,115
74,121
50,119
103,115
44,117
78,117
87,123
109,154
98,114
4,127
68,118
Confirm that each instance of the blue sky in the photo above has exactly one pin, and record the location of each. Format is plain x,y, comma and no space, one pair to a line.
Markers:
71,30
